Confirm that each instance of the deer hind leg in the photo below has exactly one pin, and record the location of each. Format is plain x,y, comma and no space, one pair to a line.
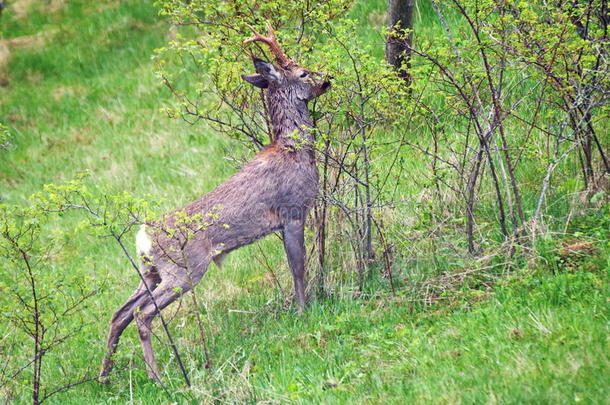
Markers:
294,244
167,292
122,318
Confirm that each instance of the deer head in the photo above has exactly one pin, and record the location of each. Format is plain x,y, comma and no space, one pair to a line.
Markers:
296,84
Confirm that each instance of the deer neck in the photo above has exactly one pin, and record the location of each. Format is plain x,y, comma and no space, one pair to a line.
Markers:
290,120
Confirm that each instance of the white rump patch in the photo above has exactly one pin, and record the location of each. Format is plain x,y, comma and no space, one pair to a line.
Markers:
143,242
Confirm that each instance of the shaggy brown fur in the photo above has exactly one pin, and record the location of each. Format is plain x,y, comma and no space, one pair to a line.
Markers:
271,193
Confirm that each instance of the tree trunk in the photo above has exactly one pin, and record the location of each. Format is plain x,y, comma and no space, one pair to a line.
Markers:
400,18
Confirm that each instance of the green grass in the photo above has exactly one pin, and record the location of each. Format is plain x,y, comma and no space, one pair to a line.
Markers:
510,348
88,99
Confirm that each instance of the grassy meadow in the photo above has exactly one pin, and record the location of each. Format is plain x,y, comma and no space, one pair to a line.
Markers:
82,95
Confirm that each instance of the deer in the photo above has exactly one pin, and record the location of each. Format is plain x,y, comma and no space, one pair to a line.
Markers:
272,193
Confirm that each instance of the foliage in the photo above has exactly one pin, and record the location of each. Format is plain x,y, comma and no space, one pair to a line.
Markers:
210,49
519,85
366,97
43,303
495,115
40,301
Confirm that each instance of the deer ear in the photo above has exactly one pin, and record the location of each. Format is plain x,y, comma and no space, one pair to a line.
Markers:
256,80
266,69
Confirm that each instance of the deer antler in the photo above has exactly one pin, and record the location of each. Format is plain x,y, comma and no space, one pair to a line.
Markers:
271,41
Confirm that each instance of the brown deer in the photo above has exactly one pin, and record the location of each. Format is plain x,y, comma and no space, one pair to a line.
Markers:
271,193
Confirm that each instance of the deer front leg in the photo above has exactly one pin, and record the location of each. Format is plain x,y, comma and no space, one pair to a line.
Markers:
294,243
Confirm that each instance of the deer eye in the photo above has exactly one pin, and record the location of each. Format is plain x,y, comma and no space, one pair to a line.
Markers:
303,75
